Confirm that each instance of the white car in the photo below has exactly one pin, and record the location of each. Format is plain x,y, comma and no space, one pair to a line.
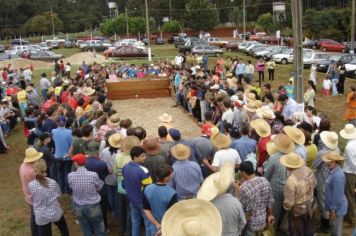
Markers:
17,49
244,45
314,57
351,65
130,42
287,56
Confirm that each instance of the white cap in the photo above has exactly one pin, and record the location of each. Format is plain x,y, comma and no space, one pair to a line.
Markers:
215,86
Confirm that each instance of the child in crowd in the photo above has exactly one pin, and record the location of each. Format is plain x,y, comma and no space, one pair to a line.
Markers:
326,86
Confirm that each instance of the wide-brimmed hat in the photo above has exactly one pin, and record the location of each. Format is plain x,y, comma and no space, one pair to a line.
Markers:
263,129
214,131
221,141
265,113
6,99
151,146
192,217
271,147
295,134
229,75
92,148
258,104
114,120
29,88
283,143
217,183
129,142
332,156
181,152
115,140
165,118
349,132
292,160
250,107
31,154
89,91
330,139
251,97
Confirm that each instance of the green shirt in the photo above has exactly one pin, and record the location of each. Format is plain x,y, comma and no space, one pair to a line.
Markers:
121,160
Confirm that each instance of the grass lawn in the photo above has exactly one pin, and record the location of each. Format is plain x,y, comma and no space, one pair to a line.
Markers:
67,52
14,213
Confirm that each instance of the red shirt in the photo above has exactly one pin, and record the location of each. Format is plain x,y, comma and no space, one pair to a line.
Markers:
48,104
72,102
11,91
64,97
4,75
262,150
86,101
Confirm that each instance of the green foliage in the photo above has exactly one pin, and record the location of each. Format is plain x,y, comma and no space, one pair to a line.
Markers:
118,25
265,22
201,15
171,26
43,24
236,16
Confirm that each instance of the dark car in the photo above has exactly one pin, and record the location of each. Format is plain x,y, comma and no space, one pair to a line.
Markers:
129,51
45,56
18,42
350,74
187,47
99,46
232,46
2,48
310,44
179,41
338,58
159,41
69,44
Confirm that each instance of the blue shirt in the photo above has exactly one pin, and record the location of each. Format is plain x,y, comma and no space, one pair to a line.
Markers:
158,198
177,80
290,108
48,126
187,179
135,177
335,192
62,139
152,71
132,72
97,166
240,69
244,146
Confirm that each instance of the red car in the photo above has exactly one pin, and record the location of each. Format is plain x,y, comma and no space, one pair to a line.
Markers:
332,46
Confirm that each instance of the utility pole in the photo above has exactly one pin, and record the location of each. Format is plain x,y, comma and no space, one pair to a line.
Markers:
297,49
53,32
244,19
170,9
148,32
127,23
353,26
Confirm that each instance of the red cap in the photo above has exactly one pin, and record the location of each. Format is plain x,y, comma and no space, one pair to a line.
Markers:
80,159
206,129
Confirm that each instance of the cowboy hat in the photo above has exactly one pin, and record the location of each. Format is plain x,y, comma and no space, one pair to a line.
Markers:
221,141
217,183
89,91
32,155
151,146
263,129
349,132
180,152
330,139
283,143
250,107
29,88
229,74
258,104
115,140
214,131
192,217
251,97
265,113
295,134
165,118
128,143
332,156
114,120
271,147
292,160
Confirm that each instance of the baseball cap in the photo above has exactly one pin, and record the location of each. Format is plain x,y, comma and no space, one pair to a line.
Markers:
62,120
80,159
92,148
175,134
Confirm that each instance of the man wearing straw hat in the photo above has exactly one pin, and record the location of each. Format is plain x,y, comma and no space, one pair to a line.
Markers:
263,130
214,189
298,195
349,133
297,136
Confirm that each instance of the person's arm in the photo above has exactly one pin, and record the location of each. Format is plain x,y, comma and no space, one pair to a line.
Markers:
210,167
152,219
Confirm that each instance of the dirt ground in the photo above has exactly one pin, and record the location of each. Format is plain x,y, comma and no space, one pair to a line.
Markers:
145,113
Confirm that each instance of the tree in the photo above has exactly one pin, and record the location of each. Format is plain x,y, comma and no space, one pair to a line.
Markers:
265,22
236,16
43,24
118,25
201,15
171,26
137,25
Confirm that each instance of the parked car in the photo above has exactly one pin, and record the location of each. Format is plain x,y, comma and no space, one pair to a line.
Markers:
332,46
179,41
284,58
338,58
45,46
350,74
323,40
232,46
18,49
159,41
245,36
207,49
310,44
130,42
258,36
187,47
69,44
37,47
314,57
244,45
2,48
351,65
215,41
80,43
129,51
15,42
171,39
252,46
256,49
45,56
94,44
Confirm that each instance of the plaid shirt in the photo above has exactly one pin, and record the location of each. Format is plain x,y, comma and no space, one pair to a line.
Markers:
276,174
45,201
299,190
104,129
255,197
86,186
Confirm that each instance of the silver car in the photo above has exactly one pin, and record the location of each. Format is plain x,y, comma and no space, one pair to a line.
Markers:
207,49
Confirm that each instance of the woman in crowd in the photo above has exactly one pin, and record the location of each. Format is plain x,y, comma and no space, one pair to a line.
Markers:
309,95
350,114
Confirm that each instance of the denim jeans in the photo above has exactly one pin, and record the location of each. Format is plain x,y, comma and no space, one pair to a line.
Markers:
90,219
123,206
112,195
337,226
5,127
44,94
136,218
334,82
62,168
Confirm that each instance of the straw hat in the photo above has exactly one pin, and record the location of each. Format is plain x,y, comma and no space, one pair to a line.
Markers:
332,156
217,183
292,160
250,107
114,120
221,141
32,155
51,90
165,118
271,147
258,104
263,129
251,97
265,113
295,134
29,88
180,152
349,132
214,131
229,74
6,99
129,142
151,146
115,140
330,139
89,91
192,217
283,143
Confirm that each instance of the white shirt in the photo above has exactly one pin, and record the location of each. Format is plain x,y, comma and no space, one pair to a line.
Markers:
228,116
178,60
250,69
27,74
226,155
350,157
326,84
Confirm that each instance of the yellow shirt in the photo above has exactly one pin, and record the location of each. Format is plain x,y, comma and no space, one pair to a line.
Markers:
312,152
21,96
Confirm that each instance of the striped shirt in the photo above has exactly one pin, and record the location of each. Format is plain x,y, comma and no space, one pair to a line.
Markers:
45,203
86,186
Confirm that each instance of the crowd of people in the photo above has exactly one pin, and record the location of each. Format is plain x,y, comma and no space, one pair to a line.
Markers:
260,164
